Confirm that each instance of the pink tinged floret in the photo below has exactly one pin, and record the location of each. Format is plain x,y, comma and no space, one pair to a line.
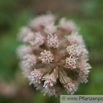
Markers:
84,70
70,62
29,37
26,70
74,38
70,87
49,91
35,77
84,67
49,80
38,40
82,78
73,50
23,33
38,22
23,50
29,60
53,41
50,28
46,57
67,25
52,91
83,49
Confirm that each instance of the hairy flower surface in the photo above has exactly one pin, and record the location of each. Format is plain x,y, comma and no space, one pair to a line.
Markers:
54,57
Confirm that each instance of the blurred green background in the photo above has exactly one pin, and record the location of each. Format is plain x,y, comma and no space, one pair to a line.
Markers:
88,16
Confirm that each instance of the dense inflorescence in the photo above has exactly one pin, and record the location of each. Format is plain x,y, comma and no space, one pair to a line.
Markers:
53,57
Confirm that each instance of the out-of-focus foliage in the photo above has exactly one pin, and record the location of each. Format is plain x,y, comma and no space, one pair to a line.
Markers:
89,19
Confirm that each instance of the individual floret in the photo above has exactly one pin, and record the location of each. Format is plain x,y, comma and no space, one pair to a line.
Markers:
46,57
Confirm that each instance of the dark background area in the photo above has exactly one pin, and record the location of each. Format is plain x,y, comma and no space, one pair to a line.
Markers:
88,16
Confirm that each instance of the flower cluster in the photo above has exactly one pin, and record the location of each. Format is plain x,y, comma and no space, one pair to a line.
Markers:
54,57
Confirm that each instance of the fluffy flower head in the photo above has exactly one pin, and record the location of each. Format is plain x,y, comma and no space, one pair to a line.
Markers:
54,57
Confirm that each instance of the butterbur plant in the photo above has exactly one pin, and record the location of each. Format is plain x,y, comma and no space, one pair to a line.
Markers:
53,57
